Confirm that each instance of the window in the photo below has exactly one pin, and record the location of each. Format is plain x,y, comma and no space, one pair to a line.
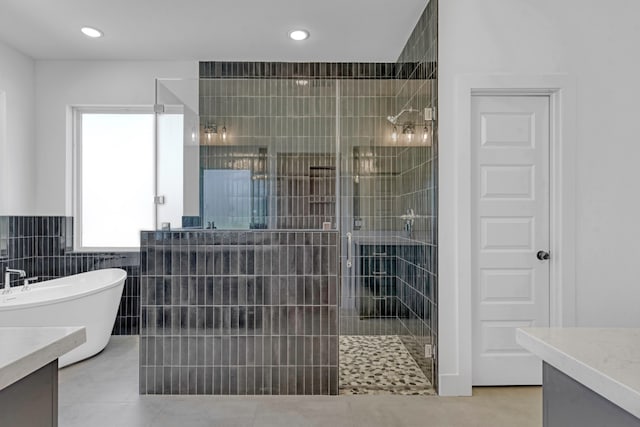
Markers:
114,177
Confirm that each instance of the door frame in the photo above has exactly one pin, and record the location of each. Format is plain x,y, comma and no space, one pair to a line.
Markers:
455,296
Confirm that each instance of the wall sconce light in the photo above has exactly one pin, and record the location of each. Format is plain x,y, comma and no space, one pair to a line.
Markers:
210,131
409,127
408,130
426,135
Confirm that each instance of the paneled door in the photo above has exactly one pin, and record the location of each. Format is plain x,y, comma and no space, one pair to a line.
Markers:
510,234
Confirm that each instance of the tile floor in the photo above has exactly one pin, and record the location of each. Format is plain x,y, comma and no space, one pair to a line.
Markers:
379,365
103,391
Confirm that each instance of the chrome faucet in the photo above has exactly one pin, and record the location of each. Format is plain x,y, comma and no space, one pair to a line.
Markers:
7,277
409,219
27,282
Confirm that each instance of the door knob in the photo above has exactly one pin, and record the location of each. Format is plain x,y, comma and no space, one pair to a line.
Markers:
542,255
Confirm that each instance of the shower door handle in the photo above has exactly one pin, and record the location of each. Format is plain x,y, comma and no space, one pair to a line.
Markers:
349,263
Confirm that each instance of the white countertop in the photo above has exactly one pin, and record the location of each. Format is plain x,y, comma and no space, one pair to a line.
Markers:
25,350
605,360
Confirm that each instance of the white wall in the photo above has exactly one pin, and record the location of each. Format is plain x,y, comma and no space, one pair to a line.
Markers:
595,44
17,131
61,84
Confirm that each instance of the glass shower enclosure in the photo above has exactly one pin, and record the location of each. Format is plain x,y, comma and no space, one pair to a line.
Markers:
301,153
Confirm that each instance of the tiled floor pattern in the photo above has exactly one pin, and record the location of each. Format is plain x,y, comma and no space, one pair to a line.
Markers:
103,392
379,365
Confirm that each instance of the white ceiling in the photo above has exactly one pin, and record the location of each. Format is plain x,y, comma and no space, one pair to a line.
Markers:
222,30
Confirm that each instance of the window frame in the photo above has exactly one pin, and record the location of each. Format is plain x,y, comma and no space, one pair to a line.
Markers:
77,112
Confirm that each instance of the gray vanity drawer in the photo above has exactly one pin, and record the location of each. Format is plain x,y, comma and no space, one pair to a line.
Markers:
378,266
376,277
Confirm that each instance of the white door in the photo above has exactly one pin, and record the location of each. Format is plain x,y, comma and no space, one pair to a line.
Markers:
510,225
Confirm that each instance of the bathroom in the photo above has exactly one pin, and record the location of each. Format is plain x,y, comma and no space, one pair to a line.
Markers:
282,232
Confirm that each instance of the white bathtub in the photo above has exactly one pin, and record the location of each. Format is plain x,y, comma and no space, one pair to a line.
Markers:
88,299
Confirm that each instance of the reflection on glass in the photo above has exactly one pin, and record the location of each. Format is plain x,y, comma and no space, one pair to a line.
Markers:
227,199
233,187
310,151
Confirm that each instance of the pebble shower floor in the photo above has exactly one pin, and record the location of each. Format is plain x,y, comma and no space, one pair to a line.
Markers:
379,365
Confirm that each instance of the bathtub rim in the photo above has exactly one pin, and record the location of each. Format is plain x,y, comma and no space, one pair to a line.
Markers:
15,307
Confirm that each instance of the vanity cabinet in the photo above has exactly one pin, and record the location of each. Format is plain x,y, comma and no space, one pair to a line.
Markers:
29,373
590,376
33,400
376,279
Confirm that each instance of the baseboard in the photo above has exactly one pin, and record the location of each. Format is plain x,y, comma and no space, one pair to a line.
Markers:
453,385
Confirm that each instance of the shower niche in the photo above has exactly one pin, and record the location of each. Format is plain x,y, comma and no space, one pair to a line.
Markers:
306,191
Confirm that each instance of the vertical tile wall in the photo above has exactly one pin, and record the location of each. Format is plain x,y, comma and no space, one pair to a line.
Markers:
306,190
292,109
41,245
233,312
417,271
17,246
292,120
369,155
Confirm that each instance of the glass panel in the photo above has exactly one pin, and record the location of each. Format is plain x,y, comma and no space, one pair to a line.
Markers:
171,153
178,153
282,131
308,154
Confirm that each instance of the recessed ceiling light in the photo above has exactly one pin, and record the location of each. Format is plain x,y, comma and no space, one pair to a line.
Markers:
91,32
299,35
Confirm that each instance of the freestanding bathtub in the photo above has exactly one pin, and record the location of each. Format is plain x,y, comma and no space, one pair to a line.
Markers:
87,299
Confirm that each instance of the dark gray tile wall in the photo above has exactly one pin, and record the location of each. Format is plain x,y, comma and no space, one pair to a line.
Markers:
239,312
290,110
17,245
417,265
306,190
286,129
42,246
295,70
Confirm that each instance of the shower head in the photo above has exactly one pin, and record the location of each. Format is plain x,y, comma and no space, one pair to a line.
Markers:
394,119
